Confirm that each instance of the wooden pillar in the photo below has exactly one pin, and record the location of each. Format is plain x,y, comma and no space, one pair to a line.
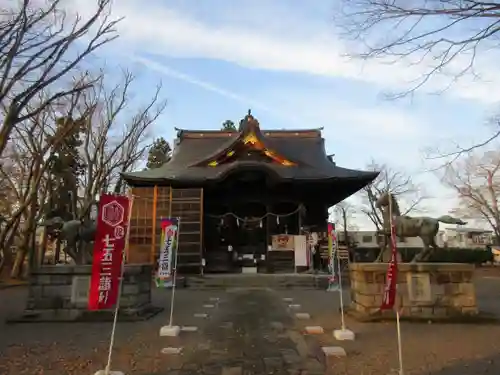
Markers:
170,190
299,219
153,240
268,236
201,230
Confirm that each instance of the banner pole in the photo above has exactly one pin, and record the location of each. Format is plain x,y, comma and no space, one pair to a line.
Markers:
400,350
120,287
339,270
174,273
398,325
342,334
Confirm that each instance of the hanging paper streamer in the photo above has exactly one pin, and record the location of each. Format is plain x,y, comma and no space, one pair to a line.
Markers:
333,282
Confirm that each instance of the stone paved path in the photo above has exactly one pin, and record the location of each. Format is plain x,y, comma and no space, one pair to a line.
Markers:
249,333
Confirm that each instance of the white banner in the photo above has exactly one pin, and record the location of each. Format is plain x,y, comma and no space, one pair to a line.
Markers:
169,236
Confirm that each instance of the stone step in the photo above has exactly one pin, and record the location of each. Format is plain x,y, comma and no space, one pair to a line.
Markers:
258,280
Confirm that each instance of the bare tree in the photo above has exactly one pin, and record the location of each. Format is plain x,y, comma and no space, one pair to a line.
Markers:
344,212
40,45
410,195
116,136
442,36
476,180
29,153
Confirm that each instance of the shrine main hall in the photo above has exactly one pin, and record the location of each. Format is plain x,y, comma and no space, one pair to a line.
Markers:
246,199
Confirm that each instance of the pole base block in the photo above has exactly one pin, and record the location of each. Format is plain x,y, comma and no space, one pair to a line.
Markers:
333,351
343,334
111,372
170,331
314,330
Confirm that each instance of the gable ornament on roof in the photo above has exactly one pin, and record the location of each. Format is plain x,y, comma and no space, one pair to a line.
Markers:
250,139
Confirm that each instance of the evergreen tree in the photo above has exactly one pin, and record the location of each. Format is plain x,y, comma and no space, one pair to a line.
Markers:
159,153
66,167
228,125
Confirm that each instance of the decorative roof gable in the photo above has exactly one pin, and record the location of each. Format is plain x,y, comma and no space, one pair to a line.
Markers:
250,143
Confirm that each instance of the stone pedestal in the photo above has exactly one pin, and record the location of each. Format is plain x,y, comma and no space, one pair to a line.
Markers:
60,293
430,291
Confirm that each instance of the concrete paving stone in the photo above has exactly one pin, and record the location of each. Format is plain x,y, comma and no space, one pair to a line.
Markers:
171,351
313,330
189,328
314,365
291,359
232,371
277,325
203,346
201,315
211,369
303,316
190,366
254,368
273,363
273,340
290,356
286,351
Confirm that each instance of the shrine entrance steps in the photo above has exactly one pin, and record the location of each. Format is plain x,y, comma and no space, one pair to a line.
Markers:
271,281
218,261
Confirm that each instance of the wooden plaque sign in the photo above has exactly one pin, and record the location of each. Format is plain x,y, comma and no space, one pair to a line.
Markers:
283,242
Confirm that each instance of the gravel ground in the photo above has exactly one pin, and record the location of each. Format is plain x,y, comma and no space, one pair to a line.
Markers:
250,332
81,348
437,349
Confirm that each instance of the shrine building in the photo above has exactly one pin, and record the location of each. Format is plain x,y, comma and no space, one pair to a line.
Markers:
246,199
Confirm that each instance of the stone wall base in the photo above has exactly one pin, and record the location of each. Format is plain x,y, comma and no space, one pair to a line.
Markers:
60,294
426,291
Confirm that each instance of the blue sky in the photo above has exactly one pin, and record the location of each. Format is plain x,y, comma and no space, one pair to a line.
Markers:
284,60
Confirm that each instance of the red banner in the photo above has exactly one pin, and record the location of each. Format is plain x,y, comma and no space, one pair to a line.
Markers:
109,245
391,280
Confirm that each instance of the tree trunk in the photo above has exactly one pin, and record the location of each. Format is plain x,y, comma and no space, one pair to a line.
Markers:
346,232
42,247
18,262
57,254
119,185
24,246
7,239
8,124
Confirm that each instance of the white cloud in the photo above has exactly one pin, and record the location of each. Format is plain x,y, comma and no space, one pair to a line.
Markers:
309,48
208,86
341,120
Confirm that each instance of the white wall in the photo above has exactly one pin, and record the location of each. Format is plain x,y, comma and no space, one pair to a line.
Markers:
462,238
